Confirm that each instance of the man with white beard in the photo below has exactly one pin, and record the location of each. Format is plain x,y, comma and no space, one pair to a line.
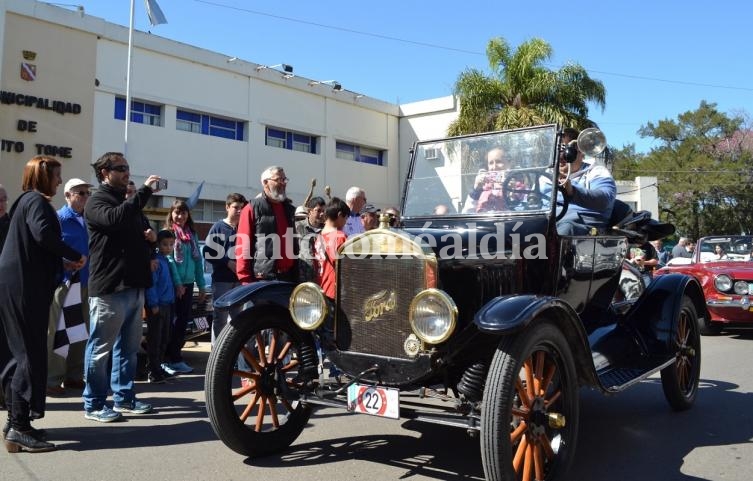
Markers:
266,233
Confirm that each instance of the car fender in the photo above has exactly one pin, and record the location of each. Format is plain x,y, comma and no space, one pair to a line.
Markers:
507,315
656,312
255,294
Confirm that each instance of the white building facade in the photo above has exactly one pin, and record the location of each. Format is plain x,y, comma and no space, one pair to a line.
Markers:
197,115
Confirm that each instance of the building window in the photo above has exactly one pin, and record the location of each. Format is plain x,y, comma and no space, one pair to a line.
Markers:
287,139
208,211
188,121
141,112
358,153
209,125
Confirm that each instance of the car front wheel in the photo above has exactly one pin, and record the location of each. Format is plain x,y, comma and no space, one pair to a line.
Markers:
253,381
529,418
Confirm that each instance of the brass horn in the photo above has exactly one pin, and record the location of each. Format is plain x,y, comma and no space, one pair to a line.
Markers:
592,141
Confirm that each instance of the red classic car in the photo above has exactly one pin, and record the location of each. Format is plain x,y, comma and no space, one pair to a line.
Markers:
722,264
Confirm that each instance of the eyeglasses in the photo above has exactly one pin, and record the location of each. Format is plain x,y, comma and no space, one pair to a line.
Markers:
282,180
120,168
83,193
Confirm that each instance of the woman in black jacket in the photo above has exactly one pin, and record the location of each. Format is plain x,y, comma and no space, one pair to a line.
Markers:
31,266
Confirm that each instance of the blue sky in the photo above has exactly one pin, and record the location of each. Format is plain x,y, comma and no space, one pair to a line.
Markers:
657,59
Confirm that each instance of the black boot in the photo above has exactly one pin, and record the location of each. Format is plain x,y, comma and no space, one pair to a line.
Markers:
16,441
40,434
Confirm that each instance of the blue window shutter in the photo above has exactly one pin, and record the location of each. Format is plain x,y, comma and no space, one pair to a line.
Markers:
239,130
289,140
119,108
205,124
277,134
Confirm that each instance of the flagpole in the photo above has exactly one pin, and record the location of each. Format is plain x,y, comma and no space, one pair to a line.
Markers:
128,82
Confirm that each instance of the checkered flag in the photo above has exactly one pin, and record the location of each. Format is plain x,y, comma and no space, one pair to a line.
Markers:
71,327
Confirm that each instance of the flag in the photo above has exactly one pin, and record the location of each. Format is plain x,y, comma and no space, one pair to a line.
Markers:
156,17
70,327
194,199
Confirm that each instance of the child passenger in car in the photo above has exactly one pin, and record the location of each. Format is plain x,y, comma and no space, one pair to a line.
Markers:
487,193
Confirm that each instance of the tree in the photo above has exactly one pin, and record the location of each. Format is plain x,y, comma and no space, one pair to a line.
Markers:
626,162
704,168
522,92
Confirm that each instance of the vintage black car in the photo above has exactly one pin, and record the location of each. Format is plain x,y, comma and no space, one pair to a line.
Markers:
489,311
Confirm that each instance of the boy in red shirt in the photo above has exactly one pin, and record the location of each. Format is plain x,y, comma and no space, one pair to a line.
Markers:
327,243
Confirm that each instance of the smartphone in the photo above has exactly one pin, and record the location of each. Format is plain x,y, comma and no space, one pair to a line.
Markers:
160,184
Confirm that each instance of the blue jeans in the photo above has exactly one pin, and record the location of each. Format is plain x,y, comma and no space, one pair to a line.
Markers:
115,327
218,290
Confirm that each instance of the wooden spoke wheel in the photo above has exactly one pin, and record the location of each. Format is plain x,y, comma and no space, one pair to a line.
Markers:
680,380
252,382
529,418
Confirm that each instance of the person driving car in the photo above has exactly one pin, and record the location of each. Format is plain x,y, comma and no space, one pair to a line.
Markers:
590,190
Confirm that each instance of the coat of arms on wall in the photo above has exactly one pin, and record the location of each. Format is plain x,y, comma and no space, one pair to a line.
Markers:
28,71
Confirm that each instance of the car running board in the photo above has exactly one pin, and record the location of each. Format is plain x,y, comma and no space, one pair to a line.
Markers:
619,379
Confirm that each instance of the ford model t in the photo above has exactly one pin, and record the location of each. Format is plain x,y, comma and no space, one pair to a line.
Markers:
476,301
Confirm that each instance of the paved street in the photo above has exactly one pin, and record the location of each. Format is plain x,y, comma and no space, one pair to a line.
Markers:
633,435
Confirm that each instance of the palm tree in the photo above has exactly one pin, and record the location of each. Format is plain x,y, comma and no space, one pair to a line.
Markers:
522,92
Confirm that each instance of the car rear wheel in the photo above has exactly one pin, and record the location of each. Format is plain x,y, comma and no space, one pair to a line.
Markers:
529,417
251,386
680,380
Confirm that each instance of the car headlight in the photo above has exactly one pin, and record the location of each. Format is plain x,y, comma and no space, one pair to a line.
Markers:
741,288
723,283
308,306
433,315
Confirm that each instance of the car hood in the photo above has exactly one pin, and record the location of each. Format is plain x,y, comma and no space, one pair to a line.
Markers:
736,269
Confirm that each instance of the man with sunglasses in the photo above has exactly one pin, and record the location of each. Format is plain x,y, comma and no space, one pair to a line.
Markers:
266,229
119,260
68,372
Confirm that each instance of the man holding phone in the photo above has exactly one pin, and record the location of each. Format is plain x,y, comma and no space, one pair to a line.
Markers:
119,272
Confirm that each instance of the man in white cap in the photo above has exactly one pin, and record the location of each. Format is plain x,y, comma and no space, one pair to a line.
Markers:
69,372
369,217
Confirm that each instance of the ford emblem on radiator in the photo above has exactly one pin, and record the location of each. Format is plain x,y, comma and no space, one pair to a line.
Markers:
379,303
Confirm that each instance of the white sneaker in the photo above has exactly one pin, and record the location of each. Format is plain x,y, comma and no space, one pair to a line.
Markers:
180,367
168,369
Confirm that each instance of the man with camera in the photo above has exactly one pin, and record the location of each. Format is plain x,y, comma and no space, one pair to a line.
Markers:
119,272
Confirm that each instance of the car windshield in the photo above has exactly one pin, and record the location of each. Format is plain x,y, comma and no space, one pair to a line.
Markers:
502,172
729,248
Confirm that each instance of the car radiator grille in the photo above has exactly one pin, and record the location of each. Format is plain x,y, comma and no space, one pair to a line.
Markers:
384,282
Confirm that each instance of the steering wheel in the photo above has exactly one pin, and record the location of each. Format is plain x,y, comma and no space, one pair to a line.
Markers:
522,190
